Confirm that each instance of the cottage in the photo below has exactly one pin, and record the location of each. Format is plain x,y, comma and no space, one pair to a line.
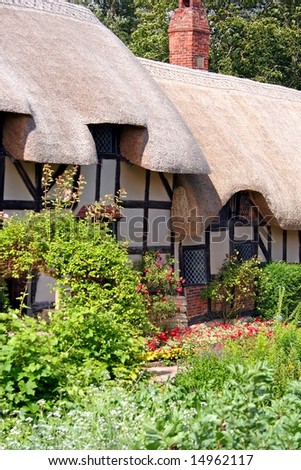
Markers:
210,163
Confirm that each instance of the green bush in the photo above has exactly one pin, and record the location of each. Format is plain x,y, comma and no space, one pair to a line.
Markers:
30,368
279,347
278,278
60,358
101,316
242,414
234,285
207,370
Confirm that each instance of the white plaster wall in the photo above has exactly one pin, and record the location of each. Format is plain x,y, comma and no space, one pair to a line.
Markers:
107,182
88,195
292,246
157,191
132,179
130,227
243,233
158,221
276,243
219,248
14,188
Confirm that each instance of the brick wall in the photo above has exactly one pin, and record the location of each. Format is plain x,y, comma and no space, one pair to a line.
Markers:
195,305
189,36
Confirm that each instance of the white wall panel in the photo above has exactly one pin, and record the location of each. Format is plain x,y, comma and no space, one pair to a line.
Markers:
292,246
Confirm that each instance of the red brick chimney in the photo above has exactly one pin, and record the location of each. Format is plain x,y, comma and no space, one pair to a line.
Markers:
189,35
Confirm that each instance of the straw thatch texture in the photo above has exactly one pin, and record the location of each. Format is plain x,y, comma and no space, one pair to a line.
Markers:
61,70
250,134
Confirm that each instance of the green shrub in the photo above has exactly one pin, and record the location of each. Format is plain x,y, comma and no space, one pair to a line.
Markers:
30,368
61,358
159,285
93,340
234,285
279,277
101,318
242,414
207,370
279,347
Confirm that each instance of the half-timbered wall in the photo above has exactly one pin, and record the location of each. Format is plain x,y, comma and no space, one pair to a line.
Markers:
240,228
219,248
293,247
145,222
285,245
146,212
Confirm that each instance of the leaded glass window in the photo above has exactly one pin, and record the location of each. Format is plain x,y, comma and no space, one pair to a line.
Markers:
195,265
245,250
105,138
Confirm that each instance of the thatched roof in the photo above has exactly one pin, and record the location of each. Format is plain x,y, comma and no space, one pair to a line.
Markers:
60,70
250,134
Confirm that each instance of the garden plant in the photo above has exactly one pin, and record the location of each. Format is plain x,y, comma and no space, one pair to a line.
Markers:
75,379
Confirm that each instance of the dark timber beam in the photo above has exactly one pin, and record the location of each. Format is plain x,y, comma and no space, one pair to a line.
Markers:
136,204
145,209
166,185
24,176
2,173
269,228
284,245
263,248
139,250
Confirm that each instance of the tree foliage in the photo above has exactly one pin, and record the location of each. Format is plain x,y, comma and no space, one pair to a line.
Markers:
118,15
256,39
260,41
150,38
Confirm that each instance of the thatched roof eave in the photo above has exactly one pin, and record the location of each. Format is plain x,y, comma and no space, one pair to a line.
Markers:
250,134
62,70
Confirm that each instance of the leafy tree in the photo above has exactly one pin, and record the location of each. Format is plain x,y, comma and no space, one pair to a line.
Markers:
256,39
118,15
261,42
150,38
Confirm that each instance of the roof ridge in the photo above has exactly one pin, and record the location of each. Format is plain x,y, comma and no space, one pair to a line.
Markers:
58,7
178,73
